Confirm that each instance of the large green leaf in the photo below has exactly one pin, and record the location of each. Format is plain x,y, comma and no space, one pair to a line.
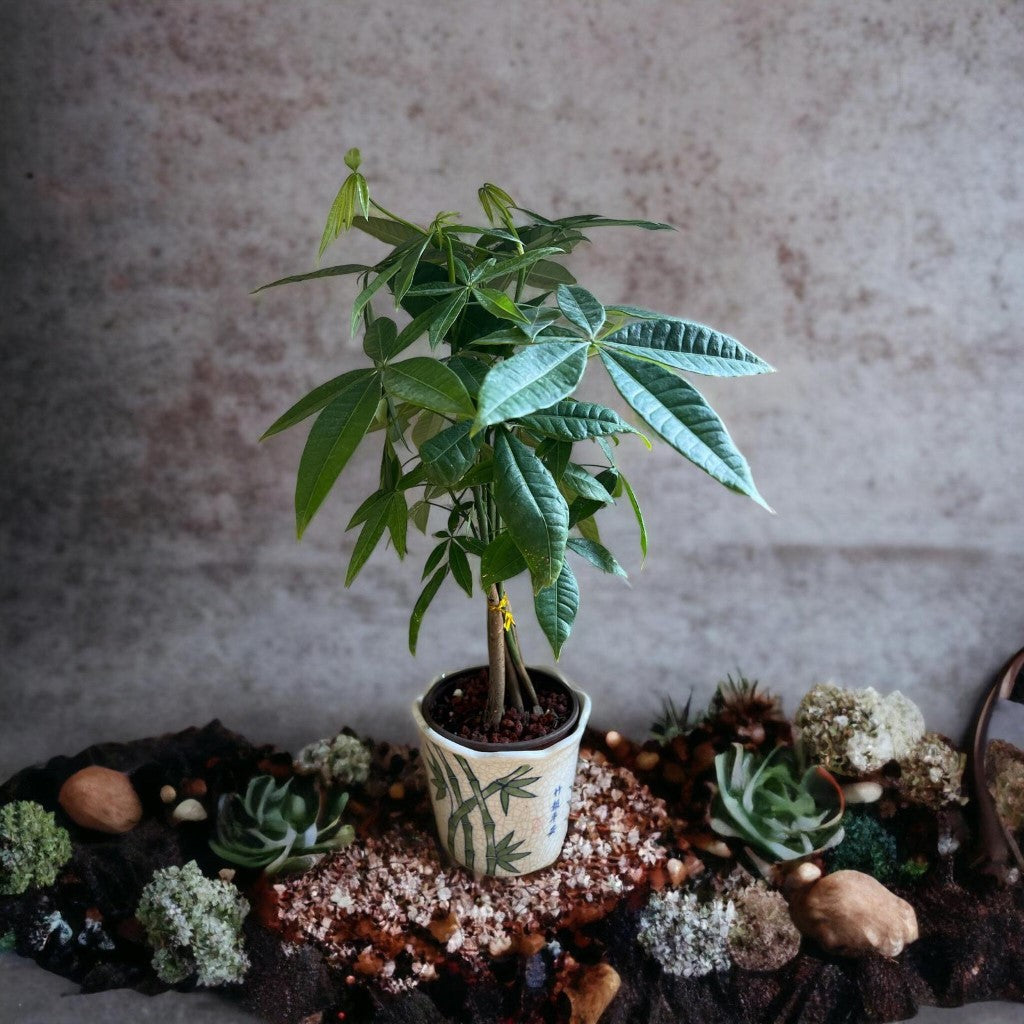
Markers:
315,275
471,371
449,454
404,277
382,514
678,413
498,304
585,485
686,346
514,264
447,315
388,231
429,384
593,220
532,379
335,435
596,554
532,508
315,401
548,274
459,565
422,604
500,561
571,420
556,606
379,340
579,307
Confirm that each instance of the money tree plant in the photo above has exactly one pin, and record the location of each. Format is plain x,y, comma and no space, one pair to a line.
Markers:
479,421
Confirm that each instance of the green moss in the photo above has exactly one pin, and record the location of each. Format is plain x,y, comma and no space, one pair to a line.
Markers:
7,942
194,924
33,847
866,847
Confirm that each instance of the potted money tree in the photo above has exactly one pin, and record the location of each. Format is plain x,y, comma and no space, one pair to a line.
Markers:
476,339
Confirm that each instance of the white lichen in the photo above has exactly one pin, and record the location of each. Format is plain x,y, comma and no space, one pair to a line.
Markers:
687,936
856,732
343,760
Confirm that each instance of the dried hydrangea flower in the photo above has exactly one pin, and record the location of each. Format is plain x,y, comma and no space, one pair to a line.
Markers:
1004,765
343,760
763,936
856,732
932,773
687,936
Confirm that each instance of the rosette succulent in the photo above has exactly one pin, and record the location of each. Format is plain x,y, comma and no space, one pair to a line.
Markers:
781,809
278,826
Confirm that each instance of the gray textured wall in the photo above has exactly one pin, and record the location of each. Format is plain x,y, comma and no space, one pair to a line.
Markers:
847,184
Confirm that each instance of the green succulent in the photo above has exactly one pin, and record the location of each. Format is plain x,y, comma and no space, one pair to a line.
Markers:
280,828
780,808
673,721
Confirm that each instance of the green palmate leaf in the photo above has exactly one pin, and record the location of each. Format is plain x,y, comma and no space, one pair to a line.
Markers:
555,454
368,293
447,315
315,275
556,606
335,435
500,561
642,526
593,220
316,400
398,522
434,558
596,554
379,340
448,455
533,509
378,499
514,264
686,346
570,420
585,485
416,477
532,379
579,307
426,426
461,572
678,413
407,270
419,323
539,317
379,518
422,604
388,231
588,528
471,371
419,515
429,384
499,304
548,274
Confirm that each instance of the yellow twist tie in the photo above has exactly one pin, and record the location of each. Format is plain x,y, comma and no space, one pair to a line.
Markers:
503,606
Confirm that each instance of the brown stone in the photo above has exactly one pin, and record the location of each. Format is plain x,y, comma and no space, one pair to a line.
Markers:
590,991
444,928
101,799
852,914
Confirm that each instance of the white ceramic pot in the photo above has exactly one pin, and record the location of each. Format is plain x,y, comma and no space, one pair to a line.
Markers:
501,812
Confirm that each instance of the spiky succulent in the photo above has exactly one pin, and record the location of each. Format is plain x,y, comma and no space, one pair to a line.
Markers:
745,714
781,809
673,721
284,826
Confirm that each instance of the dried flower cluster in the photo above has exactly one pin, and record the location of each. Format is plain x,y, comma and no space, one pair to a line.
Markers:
687,936
1004,766
763,936
342,761
856,732
932,773
194,924
33,847
391,908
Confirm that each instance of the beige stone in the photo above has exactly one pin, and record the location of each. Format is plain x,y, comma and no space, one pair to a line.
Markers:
590,992
852,914
168,794
189,810
862,792
101,799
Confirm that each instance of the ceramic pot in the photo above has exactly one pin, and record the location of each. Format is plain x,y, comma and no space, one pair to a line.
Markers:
502,810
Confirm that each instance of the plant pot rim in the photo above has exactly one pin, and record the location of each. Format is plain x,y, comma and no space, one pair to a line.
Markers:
565,735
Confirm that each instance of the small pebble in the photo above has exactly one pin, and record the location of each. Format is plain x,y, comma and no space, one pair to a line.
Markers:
168,794
647,759
456,693
676,871
189,810
396,791
613,739
194,787
862,792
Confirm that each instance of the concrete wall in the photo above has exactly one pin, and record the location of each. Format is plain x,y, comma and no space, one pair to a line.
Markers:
846,179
